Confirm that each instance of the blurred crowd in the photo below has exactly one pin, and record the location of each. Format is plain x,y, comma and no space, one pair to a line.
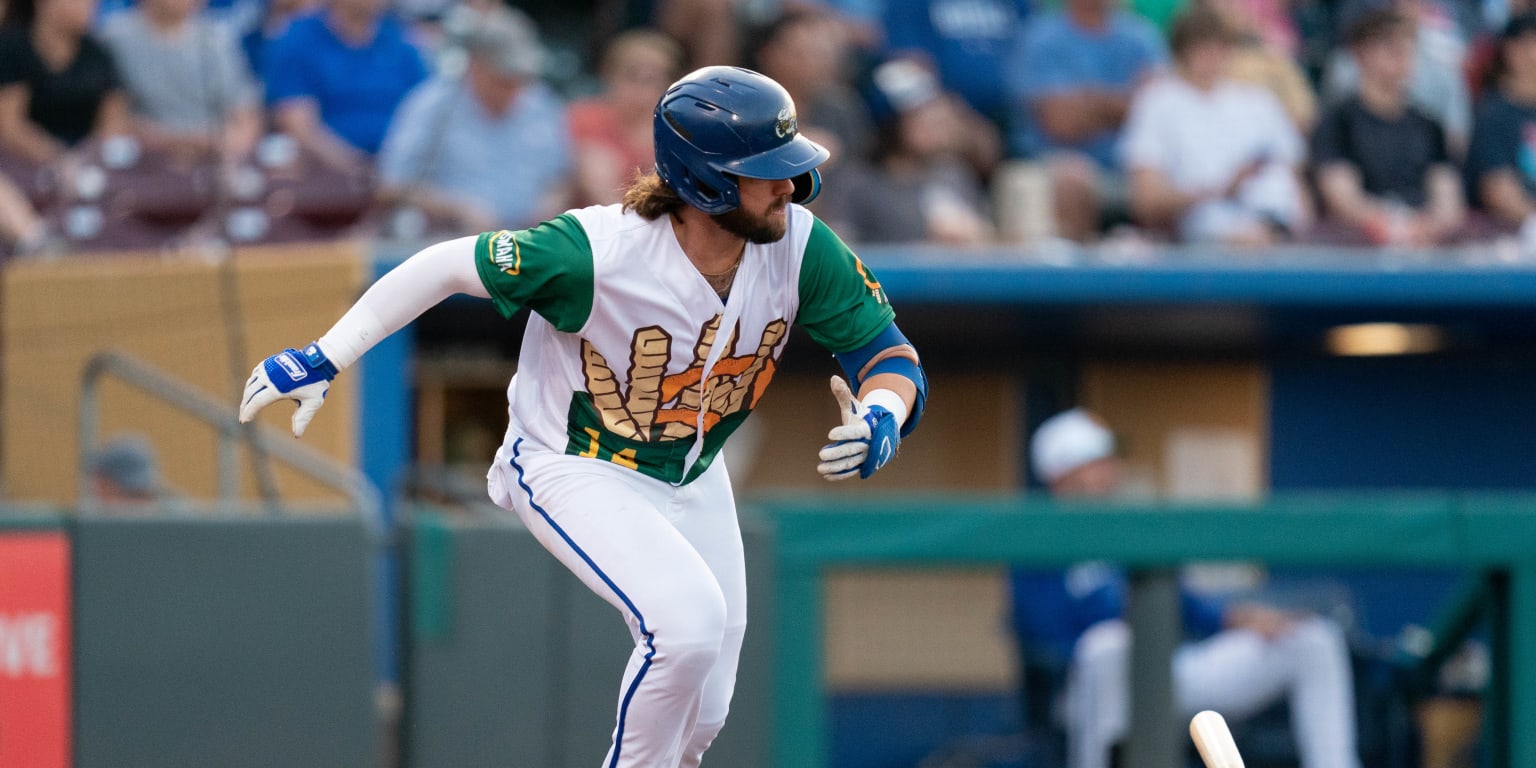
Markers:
147,124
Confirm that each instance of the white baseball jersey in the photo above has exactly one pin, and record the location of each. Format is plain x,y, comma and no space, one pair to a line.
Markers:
631,357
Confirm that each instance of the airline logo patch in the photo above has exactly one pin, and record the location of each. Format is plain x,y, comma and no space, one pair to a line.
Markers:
506,254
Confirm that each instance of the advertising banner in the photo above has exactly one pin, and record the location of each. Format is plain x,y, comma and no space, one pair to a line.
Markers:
34,650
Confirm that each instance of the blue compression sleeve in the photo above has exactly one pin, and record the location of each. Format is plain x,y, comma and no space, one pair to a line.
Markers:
853,361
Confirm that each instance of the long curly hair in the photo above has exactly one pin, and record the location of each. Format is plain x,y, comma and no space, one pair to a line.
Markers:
650,197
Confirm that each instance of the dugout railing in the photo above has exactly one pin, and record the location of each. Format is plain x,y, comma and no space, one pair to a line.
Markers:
263,443
1484,533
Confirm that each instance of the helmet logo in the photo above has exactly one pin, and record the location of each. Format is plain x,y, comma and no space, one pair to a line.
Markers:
786,125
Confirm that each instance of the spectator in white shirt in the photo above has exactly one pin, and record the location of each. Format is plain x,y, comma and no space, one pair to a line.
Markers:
1212,160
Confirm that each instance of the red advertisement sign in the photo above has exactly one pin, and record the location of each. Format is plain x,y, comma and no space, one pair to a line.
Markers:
34,650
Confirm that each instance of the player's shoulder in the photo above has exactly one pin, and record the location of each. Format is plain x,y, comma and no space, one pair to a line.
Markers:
613,233
810,234
802,222
603,222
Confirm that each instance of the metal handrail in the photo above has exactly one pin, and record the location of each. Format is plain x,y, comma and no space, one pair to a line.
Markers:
222,417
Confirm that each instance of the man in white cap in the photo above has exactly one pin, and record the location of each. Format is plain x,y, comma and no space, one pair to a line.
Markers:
1074,453
1241,658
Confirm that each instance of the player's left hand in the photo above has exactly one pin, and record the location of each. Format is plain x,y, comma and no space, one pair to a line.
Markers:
866,440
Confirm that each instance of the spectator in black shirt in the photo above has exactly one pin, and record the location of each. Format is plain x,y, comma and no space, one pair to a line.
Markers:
58,86
1381,165
1501,161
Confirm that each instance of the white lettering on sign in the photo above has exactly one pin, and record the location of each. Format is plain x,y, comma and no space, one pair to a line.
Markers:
27,645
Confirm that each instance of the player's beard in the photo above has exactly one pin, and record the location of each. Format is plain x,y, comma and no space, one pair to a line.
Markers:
766,228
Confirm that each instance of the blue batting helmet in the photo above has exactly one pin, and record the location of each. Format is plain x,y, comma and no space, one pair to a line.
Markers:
720,123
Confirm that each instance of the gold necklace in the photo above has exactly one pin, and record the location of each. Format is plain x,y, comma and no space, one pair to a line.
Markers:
721,281
723,273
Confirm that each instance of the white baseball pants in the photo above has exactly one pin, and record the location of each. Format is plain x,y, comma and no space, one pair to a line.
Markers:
670,559
1236,673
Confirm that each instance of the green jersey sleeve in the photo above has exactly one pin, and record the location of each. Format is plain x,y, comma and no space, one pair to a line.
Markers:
546,268
842,305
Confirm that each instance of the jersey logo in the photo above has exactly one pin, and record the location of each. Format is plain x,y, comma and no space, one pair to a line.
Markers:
506,254
665,406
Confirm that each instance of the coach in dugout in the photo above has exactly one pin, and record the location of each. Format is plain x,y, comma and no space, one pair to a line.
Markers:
1246,657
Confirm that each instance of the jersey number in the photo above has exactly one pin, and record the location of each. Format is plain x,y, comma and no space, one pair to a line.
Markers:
624,458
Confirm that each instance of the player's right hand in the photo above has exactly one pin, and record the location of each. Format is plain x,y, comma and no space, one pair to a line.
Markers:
303,376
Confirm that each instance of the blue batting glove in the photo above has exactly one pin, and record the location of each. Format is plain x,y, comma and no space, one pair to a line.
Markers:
304,376
865,442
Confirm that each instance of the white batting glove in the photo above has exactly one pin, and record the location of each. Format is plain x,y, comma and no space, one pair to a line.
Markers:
866,440
289,375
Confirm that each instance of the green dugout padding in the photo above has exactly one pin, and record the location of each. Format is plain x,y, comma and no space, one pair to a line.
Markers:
511,661
221,641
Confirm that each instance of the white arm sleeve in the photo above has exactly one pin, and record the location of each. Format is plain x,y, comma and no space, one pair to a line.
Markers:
401,295
888,400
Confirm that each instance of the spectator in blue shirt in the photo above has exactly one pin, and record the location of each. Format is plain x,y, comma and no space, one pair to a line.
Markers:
1241,657
336,76
488,149
268,27
968,42
1070,78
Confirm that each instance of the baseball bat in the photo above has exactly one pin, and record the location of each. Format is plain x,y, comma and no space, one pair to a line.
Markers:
1214,741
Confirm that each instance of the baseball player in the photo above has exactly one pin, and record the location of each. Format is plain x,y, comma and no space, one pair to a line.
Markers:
657,324
1248,657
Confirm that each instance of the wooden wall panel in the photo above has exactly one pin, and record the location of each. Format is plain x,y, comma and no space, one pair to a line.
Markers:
171,313
1200,408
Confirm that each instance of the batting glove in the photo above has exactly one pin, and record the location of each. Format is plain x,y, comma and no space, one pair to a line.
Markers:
867,439
289,375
